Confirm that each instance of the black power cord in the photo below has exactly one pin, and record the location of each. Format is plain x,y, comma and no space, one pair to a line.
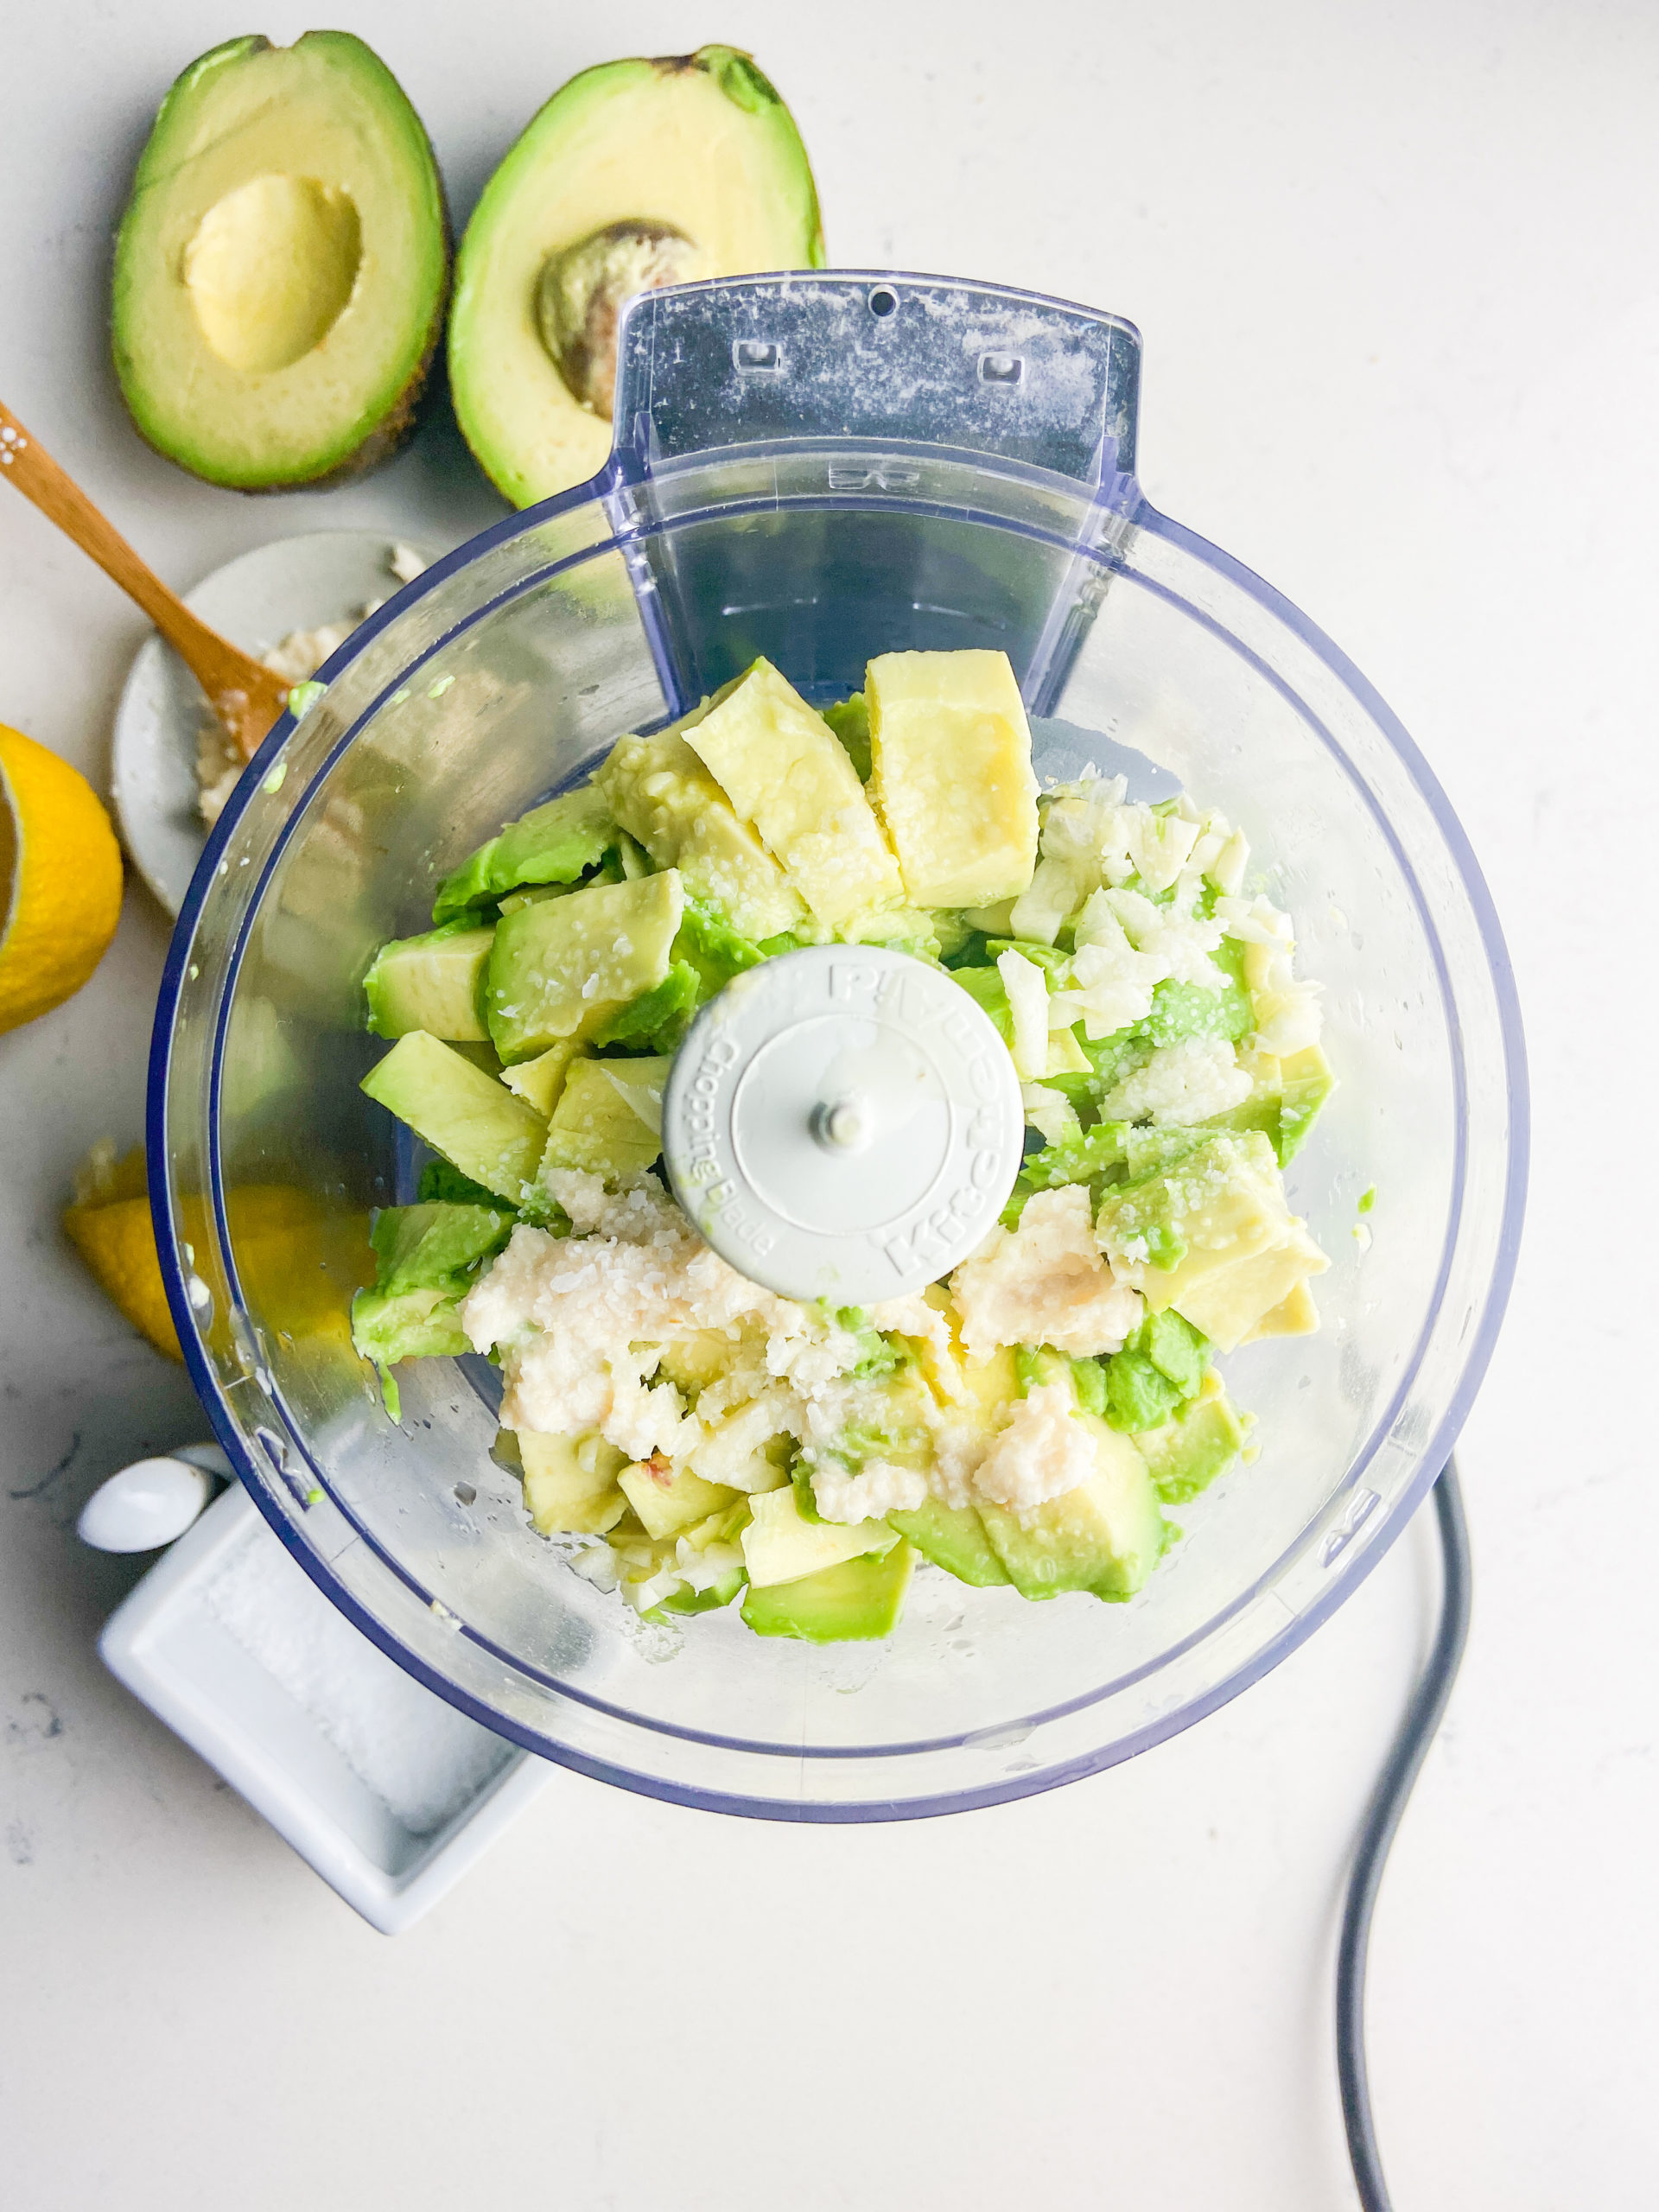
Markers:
1417,1730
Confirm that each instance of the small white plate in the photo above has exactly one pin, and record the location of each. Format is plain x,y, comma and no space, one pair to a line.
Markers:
170,1648
293,583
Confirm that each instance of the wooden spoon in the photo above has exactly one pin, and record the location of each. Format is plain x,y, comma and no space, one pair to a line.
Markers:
245,694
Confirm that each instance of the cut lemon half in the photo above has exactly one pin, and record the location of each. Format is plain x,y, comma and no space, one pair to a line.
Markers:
109,1226
59,880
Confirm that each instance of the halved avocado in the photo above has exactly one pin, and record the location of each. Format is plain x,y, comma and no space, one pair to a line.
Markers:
634,174
282,267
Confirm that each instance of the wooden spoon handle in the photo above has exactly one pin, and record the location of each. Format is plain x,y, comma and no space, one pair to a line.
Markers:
218,666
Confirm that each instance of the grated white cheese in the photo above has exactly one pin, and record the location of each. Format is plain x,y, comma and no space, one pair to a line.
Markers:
577,1320
1044,1283
1042,1453
1181,1084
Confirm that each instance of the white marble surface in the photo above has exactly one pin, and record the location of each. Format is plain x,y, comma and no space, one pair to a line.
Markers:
1395,267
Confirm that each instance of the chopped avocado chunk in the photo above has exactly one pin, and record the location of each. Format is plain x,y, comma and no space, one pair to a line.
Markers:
1212,1236
440,1181
433,982
667,1505
659,1018
553,844
662,794
597,1126
1106,1536
1306,1082
466,1114
418,1246
713,947
850,720
565,968
282,266
570,1485
697,144
854,1602
953,1537
784,772
1200,1442
952,776
780,1546
985,986
1138,1395
539,1082
1084,1158
424,1322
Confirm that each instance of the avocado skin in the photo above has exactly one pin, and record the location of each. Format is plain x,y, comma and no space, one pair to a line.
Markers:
394,427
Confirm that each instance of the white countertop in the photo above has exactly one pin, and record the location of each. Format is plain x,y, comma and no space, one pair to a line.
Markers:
1395,270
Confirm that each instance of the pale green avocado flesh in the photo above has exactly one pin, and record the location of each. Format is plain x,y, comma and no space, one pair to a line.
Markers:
282,266
634,174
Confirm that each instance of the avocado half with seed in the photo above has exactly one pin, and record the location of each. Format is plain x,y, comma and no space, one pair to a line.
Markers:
634,174
282,267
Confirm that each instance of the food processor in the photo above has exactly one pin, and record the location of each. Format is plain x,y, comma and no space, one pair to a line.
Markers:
820,468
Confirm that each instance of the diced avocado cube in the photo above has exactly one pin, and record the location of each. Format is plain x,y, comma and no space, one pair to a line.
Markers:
441,1183
418,1246
951,775
953,1537
694,1360
419,1324
597,1128
778,1546
686,1600
850,720
1306,1082
1089,1384
1137,1396
433,982
1212,1236
1084,1158
904,929
666,1505
854,1602
570,1486
662,794
785,772
539,1082
1180,1010
1175,1348
553,843
564,967
1229,1304
659,1018
466,1114
1106,1536
1202,1441
713,947
1294,1316
1150,1151
986,987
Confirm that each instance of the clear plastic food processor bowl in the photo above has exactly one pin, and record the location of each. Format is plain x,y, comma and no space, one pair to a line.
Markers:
820,468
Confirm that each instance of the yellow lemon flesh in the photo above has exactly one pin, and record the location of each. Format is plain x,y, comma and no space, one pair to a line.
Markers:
59,880
299,1261
110,1226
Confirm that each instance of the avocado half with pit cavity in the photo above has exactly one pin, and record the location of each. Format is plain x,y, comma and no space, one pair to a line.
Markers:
634,174
282,267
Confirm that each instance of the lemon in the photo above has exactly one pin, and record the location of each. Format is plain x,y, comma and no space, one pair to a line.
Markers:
110,1226
59,880
299,1261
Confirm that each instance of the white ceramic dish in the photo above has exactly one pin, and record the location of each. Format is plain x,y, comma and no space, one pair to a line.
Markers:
176,1654
293,583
